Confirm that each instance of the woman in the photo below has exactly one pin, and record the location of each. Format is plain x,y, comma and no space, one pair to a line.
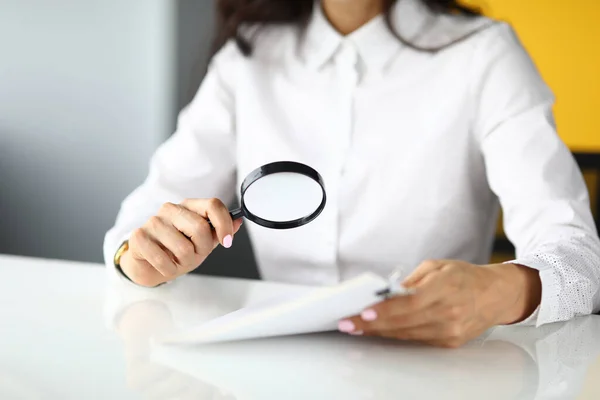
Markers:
422,117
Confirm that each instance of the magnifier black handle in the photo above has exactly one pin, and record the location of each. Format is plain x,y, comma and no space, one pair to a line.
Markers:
235,214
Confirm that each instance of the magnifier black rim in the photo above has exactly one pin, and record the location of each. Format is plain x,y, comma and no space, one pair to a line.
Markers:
275,168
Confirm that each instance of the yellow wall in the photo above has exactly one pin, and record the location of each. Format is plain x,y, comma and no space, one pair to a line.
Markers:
563,36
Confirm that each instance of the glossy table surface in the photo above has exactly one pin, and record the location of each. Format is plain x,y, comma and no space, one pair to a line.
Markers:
66,332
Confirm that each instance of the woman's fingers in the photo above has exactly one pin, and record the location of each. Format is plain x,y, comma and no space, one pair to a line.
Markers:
422,333
435,301
373,320
437,333
169,237
409,309
237,224
423,317
432,334
217,213
421,271
139,270
193,227
145,248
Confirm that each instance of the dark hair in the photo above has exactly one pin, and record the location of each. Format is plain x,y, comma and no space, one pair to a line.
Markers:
232,14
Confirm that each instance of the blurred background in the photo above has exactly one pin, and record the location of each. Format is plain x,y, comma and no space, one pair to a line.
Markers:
89,89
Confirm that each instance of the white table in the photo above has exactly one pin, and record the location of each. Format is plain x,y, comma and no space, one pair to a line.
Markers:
67,333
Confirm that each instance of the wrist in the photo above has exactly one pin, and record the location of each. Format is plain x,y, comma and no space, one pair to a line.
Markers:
140,275
519,292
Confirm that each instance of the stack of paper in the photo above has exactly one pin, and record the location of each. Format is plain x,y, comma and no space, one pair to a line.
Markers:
318,310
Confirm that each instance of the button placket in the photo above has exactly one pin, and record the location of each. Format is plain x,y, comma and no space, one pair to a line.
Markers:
348,80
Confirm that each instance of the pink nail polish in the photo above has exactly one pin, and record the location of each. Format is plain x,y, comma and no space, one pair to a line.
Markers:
369,315
346,326
227,241
357,333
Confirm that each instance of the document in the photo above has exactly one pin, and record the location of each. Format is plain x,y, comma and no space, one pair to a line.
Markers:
317,310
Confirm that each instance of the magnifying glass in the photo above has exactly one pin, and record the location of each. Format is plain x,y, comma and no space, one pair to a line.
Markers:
282,195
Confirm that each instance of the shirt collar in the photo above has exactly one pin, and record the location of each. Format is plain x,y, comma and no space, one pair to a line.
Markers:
320,39
375,43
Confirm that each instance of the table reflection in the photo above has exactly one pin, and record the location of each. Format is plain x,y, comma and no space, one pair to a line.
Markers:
137,324
336,366
507,363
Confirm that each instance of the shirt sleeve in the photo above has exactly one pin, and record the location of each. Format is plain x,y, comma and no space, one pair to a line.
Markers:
198,161
540,187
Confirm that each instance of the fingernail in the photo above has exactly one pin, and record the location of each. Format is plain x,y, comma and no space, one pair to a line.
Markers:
369,315
357,333
346,326
227,241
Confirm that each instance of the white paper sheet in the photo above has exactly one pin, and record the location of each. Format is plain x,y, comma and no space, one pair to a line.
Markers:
318,310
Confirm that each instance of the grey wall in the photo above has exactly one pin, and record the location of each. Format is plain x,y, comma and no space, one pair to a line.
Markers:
88,90
86,94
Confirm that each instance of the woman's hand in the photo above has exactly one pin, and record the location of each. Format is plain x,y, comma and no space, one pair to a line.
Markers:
453,303
177,240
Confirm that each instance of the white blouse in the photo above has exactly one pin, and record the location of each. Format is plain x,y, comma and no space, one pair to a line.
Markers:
417,151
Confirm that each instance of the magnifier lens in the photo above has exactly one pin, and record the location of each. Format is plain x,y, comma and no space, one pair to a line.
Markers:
283,197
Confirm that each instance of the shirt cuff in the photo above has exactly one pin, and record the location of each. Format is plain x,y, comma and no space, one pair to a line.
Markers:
531,320
547,311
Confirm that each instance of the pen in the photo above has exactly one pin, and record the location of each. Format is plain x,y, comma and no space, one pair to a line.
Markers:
395,288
